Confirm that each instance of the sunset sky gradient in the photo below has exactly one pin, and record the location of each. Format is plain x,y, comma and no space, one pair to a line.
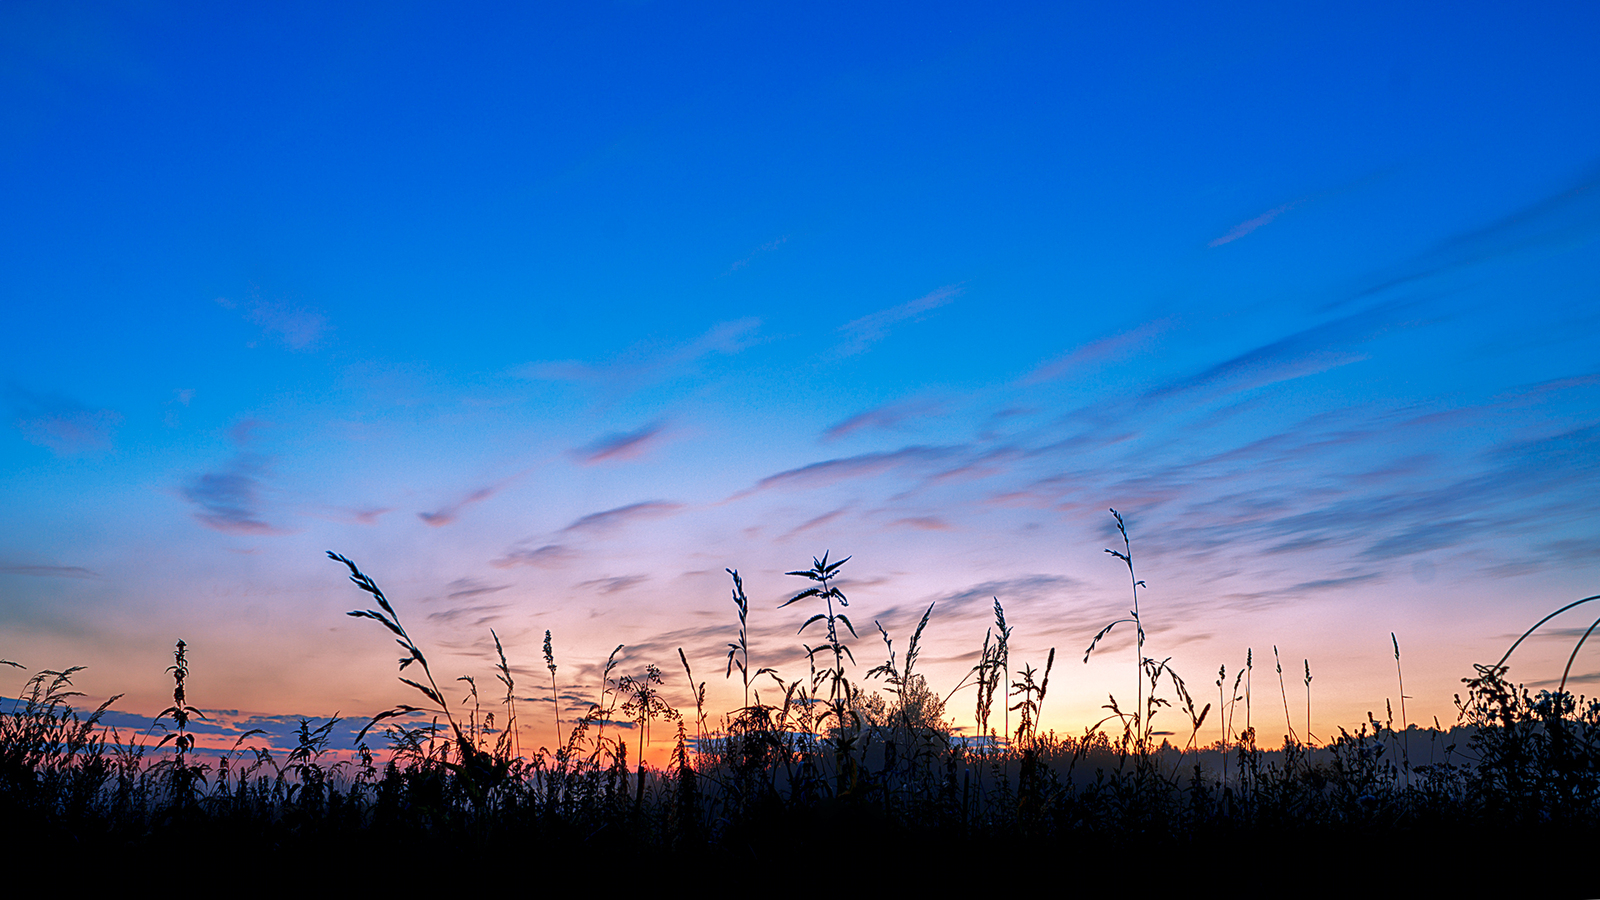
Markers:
545,317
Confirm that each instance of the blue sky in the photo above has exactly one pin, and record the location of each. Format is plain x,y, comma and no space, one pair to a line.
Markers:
547,317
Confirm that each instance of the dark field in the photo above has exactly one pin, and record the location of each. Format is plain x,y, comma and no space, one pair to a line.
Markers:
825,780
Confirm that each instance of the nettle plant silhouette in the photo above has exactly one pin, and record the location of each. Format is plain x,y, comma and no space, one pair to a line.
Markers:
180,710
823,574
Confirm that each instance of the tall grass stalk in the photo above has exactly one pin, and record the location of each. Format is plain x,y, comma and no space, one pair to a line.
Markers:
509,744
1284,690
1405,721
1309,738
1139,725
739,652
555,693
386,616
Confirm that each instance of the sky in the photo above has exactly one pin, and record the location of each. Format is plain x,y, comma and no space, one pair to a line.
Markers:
547,317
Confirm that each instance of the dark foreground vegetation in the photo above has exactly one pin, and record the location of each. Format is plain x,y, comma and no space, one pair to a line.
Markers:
819,778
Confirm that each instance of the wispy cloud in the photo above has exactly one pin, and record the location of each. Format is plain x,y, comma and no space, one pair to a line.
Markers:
447,514
61,425
648,365
614,584
1298,492
471,587
472,616
1305,352
1332,584
611,519
555,554
832,471
1019,589
548,556
921,523
295,327
229,500
180,397
1270,597
621,445
1562,217
1098,352
817,521
49,571
768,247
72,433
1244,228
862,333
883,417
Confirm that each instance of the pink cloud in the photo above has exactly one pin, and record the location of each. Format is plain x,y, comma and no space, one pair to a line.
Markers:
869,329
886,416
620,446
817,522
768,247
622,515
296,327
550,556
72,433
832,471
1100,351
1244,228
921,523
229,500
49,571
450,512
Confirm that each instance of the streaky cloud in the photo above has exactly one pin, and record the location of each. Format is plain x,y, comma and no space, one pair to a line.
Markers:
768,247
471,587
295,327
1331,584
73,434
50,571
621,445
922,523
1244,228
61,425
473,616
1535,224
549,556
881,418
445,515
610,519
1305,352
448,514
614,584
1099,352
648,366
832,471
862,333
1007,590
816,522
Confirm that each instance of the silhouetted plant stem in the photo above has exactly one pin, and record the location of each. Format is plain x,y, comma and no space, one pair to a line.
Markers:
555,695
1284,690
1405,721
1309,740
